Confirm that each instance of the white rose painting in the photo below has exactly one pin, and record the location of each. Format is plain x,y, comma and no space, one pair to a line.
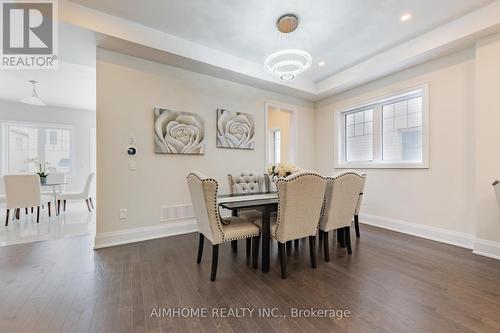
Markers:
177,132
235,130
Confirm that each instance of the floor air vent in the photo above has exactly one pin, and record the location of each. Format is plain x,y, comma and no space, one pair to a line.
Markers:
174,213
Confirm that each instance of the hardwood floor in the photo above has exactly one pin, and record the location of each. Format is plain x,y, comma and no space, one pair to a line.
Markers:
391,283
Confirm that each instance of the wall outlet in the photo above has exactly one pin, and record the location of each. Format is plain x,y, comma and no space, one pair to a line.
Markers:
123,214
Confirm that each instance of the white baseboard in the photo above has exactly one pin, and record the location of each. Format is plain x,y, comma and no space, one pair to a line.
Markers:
487,248
113,238
424,231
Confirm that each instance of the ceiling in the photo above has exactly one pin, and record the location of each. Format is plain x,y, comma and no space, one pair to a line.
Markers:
341,33
71,85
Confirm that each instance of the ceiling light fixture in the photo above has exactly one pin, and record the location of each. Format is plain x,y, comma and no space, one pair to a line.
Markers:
289,62
405,17
321,63
33,99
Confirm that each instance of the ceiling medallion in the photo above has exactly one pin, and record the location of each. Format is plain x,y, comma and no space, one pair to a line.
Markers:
288,63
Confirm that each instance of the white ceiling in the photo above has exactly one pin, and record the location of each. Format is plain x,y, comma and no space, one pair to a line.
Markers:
71,85
340,32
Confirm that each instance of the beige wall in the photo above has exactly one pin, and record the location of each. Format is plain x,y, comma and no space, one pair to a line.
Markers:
487,137
127,91
281,120
443,195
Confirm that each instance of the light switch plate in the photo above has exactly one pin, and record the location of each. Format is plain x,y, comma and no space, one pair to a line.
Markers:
132,165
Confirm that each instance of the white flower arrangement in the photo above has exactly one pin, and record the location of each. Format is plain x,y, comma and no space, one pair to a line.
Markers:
281,170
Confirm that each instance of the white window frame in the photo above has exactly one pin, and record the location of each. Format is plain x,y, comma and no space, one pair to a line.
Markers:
41,143
376,104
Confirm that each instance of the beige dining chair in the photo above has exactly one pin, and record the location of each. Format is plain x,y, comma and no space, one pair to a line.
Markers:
341,198
246,183
358,205
23,191
203,192
300,198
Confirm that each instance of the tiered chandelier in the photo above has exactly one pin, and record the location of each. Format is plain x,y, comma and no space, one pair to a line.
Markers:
288,63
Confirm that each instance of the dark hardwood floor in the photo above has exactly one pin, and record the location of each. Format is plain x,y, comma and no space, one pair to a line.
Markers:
391,283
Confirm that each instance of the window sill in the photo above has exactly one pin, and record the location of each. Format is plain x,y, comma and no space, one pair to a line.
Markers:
382,166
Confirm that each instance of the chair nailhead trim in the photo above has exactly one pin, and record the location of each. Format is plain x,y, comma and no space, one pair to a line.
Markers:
287,180
216,209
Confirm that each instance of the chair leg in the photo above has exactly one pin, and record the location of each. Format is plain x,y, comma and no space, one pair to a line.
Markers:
326,247
347,232
356,225
31,210
7,217
341,237
91,203
288,247
37,214
48,207
26,210
312,249
296,244
88,204
320,239
255,251
234,245
64,205
18,213
249,248
215,260
58,206
282,255
200,248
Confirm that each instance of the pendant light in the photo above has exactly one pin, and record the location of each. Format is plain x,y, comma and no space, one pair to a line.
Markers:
33,99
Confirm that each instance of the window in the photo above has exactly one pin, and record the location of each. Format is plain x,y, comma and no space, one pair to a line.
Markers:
388,132
30,144
276,146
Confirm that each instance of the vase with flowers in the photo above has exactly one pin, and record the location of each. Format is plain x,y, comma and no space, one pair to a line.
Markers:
281,170
42,172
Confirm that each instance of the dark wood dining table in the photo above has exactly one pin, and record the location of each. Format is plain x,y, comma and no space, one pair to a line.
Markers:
266,203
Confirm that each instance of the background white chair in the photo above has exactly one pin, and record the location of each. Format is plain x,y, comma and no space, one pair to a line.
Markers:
83,195
23,191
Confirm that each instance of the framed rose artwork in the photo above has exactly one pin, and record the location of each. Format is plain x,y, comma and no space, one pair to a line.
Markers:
235,130
177,132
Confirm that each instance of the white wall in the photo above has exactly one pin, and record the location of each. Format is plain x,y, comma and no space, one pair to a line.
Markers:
487,140
81,122
127,91
443,195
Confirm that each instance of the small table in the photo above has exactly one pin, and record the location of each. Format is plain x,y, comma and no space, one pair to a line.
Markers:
265,202
53,185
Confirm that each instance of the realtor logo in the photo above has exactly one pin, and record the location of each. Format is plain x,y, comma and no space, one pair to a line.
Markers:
29,34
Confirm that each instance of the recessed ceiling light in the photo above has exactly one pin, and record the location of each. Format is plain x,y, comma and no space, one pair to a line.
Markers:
321,63
405,17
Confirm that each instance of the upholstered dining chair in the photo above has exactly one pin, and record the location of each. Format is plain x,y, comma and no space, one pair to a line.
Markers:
246,183
358,205
300,198
23,191
83,195
203,192
341,198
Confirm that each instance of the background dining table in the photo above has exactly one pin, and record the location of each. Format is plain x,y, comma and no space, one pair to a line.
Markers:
265,202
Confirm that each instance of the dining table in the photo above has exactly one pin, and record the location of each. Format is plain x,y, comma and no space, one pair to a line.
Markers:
267,203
